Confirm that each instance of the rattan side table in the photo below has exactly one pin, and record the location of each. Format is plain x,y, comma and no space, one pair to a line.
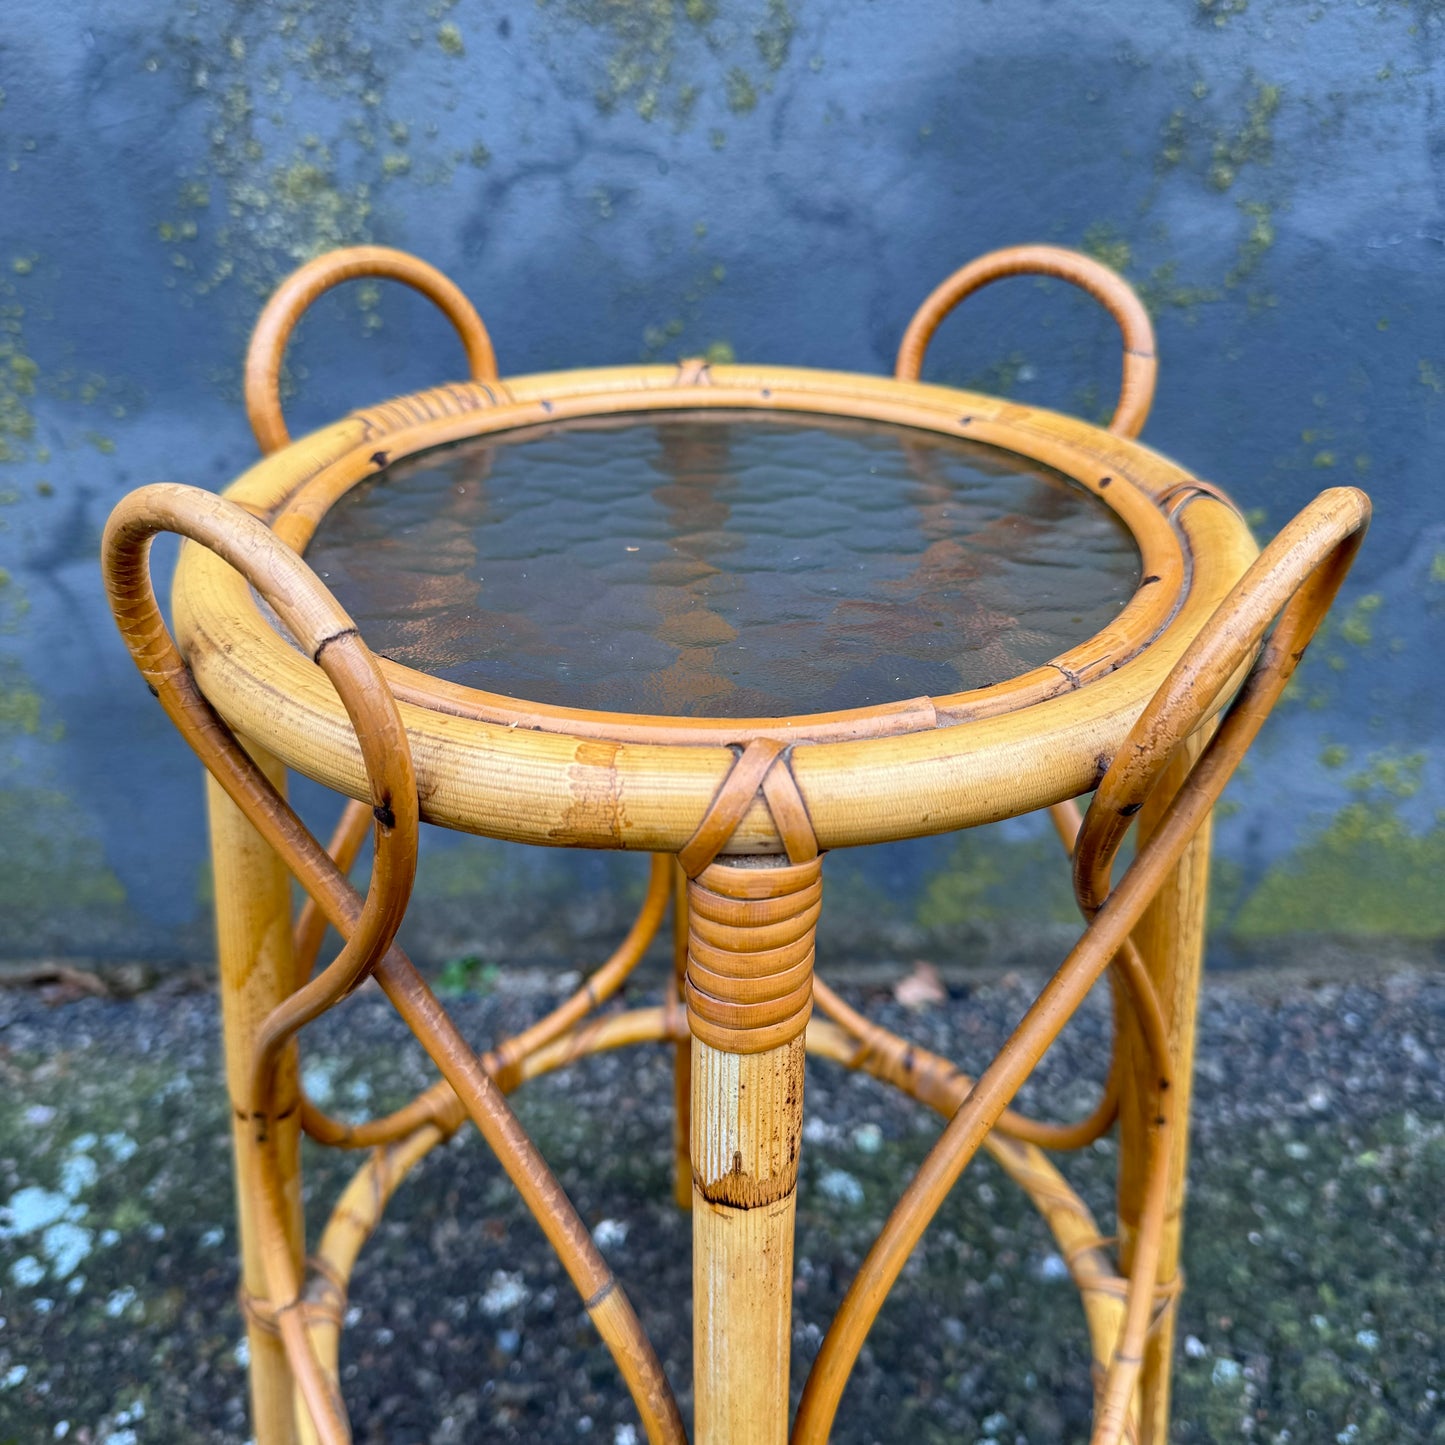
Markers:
1150,711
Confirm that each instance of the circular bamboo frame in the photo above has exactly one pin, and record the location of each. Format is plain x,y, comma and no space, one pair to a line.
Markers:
552,775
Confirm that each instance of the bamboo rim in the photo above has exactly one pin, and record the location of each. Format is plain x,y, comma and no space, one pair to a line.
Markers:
511,769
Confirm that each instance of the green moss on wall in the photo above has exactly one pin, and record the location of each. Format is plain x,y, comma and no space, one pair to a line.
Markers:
1250,142
642,69
1174,142
1356,626
20,708
51,867
18,373
253,210
1104,243
986,880
676,336
1258,240
1219,13
775,35
742,94
1366,873
49,863
663,55
1201,144
14,606
1162,290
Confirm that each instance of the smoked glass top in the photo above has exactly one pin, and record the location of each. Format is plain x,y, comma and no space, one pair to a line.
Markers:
723,563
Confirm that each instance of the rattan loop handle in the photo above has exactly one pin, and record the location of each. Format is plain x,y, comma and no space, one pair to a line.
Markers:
1141,366
285,308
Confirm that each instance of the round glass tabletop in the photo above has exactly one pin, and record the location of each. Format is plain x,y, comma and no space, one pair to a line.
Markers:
723,563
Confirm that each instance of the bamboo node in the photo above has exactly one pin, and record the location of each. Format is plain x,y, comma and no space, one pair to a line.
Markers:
593,1301
258,1312
1177,497
328,640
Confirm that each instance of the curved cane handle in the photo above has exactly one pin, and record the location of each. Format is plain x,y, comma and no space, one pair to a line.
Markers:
328,636
1270,616
1141,366
285,308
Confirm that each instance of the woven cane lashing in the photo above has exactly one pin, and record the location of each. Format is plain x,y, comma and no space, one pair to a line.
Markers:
749,984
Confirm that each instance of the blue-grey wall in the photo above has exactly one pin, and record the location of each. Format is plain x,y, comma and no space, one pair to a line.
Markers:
614,180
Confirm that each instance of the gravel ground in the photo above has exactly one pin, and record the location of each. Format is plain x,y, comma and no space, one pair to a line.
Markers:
1316,1229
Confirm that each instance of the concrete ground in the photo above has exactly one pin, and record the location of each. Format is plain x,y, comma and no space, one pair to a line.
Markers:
1315,1259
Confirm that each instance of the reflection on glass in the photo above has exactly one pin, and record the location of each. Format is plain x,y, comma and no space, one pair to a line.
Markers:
724,563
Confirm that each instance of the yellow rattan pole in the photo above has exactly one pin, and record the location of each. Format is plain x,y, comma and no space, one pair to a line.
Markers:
253,946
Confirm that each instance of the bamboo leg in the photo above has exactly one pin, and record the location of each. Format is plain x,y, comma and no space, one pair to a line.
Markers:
682,1055
254,945
749,994
1170,937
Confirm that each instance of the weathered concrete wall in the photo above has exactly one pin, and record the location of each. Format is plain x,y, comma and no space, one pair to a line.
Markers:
780,179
